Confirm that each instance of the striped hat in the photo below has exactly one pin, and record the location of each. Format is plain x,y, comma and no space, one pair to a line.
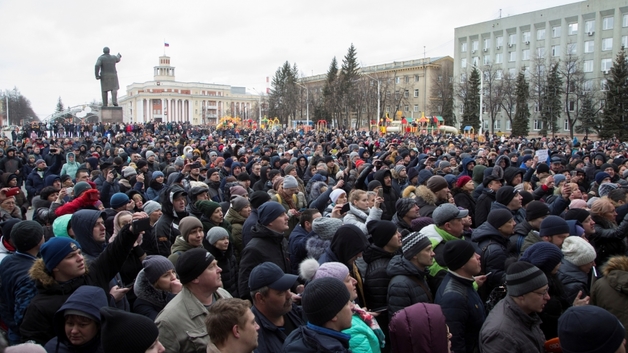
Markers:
523,277
413,243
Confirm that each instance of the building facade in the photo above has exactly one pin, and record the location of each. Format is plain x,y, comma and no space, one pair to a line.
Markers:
165,100
591,33
411,88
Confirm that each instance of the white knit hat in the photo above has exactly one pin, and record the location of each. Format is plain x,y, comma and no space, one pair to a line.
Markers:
578,251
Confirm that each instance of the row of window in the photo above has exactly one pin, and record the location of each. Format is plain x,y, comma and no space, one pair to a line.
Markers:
555,51
556,32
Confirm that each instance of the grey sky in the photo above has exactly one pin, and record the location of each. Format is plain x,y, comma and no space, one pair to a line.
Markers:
49,48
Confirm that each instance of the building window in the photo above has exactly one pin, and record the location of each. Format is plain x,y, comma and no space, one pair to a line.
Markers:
589,46
485,125
508,125
525,54
540,34
512,56
588,65
589,26
498,124
463,78
407,79
606,64
587,86
540,52
463,47
499,74
572,107
556,31
406,108
607,23
416,78
474,46
499,58
487,43
406,94
572,28
526,36
397,79
463,63
416,93
486,59
538,124
499,41
475,61
572,48
536,107
512,39
555,50
603,85
416,107
607,44
512,72
566,125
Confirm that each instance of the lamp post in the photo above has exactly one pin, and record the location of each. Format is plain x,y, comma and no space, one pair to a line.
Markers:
481,96
259,105
378,96
307,104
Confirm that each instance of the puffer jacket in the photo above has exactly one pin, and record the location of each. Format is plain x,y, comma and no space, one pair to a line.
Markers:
363,338
150,300
237,222
494,251
404,288
360,219
611,291
166,229
608,239
508,326
315,339
483,206
17,290
376,281
573,280
266,245
412,332
227,262
38,321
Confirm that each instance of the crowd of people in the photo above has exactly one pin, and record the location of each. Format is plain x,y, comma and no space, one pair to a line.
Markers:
152,238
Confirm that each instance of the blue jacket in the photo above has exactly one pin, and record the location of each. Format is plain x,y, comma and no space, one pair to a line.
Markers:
463,310
17,289
35,182
296,247
87,299
315,339
270,337
247,235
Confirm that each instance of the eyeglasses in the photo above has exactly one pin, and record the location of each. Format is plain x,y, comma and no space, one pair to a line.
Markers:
543,293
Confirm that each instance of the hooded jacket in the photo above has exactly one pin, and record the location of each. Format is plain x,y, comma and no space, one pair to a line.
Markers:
38,321
483,206
265,245
178,248
227,262
35,180
611,291
465,171
87,299
427,201
360,218
150,300
315,339
403,289
167,227
16,290
494,251
390,195
70,168
237,222
83,223
419,328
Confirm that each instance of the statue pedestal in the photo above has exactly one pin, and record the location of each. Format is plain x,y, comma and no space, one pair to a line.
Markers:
110,115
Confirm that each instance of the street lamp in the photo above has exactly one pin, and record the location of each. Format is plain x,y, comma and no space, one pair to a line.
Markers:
259,105
307,104
378,96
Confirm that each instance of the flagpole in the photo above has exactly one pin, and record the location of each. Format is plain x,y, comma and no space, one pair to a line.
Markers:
164,46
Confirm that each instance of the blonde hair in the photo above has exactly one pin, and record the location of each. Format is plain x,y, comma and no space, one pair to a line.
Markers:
356,195
601,206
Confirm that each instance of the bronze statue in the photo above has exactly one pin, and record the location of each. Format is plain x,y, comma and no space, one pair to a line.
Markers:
108,76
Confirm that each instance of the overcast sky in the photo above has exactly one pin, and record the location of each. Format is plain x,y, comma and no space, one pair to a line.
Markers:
49,48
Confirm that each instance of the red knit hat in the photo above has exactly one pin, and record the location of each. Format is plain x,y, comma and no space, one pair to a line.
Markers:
462,181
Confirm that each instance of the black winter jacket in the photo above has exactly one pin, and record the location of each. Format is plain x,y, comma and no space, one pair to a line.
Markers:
404,288
227,262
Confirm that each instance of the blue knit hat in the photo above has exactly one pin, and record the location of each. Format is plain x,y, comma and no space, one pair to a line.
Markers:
157,174
270,211
118,199
599,177
543,255
553,225
56,249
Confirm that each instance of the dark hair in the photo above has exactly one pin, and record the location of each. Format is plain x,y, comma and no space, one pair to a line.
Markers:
618,194
81,170
306,216
223,315
46,192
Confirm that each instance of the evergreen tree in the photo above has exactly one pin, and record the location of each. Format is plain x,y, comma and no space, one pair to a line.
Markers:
283,98
59,106
348,82
589,119
615,116
552,105
521,121
331,106
471,103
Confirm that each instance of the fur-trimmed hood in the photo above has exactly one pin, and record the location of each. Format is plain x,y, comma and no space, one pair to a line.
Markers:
316,246
425,196
615,263
409,192
46,283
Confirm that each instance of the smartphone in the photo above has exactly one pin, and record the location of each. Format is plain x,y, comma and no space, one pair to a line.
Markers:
129,285
140,225
345,208
380,192
69,191
195,165
13,191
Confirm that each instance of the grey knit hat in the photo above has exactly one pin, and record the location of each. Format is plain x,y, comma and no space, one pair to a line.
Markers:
323,299
151,206
413,243
290,182
239,202
325,227
215,234
523,277
155,266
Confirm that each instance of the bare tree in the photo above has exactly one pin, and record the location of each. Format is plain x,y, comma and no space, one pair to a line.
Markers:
509,95
442,94
493,95
573,88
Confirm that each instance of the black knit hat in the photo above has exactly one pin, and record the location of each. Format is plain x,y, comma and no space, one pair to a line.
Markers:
192,263
542,168
578,214
126,332
258,198
553,225
523,277
374,184
499,217
536,209
543,255
27,235
457,253
323,298
505,194
7,226
381,232
589,329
